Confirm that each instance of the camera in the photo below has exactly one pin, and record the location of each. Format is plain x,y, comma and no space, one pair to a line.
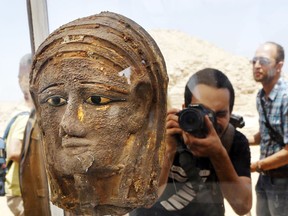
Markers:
191,119
237,121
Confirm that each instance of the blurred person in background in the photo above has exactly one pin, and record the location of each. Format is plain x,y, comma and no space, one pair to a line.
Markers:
272,106
15,140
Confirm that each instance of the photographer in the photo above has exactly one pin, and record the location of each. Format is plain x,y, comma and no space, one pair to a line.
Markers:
201,166
15,140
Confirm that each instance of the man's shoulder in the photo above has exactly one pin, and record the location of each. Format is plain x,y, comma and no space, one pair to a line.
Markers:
239,133
282,86
240,141
240,137
16,126
20,112
21,118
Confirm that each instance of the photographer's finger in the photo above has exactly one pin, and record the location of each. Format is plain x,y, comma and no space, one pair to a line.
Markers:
172,117
172,124
173,111
173,131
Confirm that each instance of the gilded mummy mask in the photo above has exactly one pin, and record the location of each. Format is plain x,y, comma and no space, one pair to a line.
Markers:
99,85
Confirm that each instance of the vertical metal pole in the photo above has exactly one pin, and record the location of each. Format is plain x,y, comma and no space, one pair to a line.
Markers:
38,22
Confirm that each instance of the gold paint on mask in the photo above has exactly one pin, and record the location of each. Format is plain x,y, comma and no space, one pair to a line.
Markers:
103,156
80,113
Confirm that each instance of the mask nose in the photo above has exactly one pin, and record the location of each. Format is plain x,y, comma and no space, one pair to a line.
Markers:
72,122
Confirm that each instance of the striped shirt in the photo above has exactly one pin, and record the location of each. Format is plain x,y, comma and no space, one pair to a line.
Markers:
197,197
276,106
181,195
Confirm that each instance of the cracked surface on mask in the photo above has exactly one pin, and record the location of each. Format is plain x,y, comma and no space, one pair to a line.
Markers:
99,86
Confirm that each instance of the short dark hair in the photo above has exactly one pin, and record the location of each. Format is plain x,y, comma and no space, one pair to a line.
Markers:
211,77
280,51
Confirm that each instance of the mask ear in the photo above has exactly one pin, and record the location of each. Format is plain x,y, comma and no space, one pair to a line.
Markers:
142,96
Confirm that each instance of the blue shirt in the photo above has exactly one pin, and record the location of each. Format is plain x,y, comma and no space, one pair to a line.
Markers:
276,106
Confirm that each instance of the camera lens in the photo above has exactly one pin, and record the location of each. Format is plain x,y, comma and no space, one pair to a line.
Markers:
191,120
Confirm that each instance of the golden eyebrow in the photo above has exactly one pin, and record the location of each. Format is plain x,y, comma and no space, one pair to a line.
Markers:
112,88
49,86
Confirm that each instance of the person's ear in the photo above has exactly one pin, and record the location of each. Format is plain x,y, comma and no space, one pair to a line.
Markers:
142,97
183,106
279,66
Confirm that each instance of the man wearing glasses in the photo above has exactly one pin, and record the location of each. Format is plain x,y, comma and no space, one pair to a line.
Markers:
272,106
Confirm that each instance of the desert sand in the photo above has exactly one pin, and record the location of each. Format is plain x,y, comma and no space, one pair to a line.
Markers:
185,55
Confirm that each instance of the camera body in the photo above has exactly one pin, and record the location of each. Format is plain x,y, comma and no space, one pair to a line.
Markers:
237,121
191,119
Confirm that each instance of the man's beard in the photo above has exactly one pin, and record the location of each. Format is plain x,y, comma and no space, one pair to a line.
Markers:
270,75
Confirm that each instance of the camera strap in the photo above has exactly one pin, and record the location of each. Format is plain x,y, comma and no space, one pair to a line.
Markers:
188,163
227,137
273,134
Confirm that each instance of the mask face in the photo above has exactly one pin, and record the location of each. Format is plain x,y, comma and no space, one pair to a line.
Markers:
90,112
101,128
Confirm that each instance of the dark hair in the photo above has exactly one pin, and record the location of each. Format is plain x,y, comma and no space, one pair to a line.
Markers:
211,77
280,51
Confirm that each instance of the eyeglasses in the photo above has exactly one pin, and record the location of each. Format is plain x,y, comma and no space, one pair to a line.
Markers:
262,61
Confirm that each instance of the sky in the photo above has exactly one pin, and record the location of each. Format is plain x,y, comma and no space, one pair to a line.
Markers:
235,26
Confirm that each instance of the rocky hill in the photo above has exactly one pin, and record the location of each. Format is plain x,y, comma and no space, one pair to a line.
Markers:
184,55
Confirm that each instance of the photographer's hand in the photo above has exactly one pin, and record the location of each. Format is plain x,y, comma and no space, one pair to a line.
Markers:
230,183
172,131
204,147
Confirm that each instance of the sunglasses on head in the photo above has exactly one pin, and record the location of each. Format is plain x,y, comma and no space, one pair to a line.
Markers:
262,60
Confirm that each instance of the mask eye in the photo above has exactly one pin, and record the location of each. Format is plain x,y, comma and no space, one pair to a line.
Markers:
98,100
56,101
